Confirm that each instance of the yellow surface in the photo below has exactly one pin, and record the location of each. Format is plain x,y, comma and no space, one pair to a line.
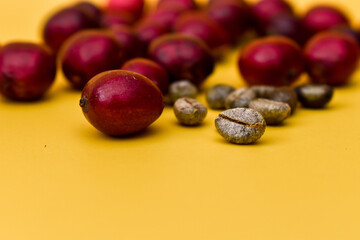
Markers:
61,179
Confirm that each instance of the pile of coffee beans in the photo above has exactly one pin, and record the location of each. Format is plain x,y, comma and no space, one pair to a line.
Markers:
275,104
130,60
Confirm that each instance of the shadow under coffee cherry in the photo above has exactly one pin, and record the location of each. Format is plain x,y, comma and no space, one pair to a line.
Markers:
39,101
67,88
93,133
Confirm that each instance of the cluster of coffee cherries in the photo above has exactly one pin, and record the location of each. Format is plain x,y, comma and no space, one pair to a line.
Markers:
125,56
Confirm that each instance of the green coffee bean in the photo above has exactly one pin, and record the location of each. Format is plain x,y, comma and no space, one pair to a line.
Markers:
286,95
216,95
240,125
182,88
240,98
273,112
314,95
189,112
263,91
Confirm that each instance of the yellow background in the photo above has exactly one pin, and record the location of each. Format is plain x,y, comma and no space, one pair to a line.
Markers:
60,179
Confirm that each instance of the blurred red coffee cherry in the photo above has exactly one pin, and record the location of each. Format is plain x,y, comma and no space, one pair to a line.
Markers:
331,58
274,60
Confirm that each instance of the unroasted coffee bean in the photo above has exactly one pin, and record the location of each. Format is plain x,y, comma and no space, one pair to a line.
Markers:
273,112
314,95
180,89
240,98
240,125
263,91
286,95
216,95
189,112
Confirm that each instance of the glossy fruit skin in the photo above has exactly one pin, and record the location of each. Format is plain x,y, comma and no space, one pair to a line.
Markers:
112,19
212,2
64,24
200,25
164,16
133,8
233,16
128,39
151,70
275,61
287,25
331,58
27,71
264,10
182,5
323,18
92,11
349,31
120,102
184,57
88,53
147,32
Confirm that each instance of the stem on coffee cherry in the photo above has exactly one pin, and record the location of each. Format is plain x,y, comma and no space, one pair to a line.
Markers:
84,104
